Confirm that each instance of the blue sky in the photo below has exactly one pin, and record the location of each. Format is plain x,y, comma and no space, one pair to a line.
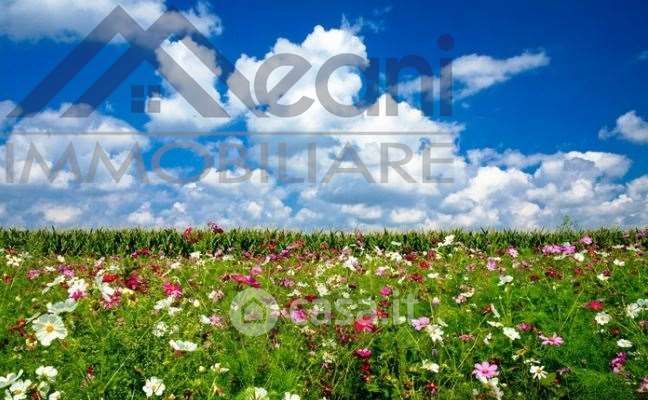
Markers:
554,122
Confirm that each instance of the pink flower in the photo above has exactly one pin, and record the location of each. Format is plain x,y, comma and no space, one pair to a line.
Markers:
586,240
553,340
216,320
618,362
172,289
33,274
386,291
512,251
298,316
420,323
246,280
525,327
363,353
111,301
485,370
364,324
491,264
643,386
256,270
77,295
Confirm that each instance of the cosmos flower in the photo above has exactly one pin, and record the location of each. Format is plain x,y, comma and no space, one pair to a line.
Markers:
47,372
602,318
511,333
49,327
553,340
538,372
485,370
420,323
153,387
182,345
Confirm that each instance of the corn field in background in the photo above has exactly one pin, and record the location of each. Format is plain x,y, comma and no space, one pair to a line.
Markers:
171,242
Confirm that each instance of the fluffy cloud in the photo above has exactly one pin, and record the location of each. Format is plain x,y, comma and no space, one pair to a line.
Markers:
630,127
474,72
67,20
176,113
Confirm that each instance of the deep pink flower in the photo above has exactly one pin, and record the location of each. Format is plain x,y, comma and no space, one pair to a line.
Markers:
298,316
618,362
246,280
594,305
386,291
553,340
363,353
172,289
491,264
134,281
485,370
364,324
512,251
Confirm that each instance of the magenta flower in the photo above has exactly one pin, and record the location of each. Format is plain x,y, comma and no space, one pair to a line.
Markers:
363,353
485,370
420,323
298,316
172,289
491,264
618,362
586,240
553,340
386,291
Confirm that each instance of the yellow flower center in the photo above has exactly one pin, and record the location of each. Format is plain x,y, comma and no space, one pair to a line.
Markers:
49,328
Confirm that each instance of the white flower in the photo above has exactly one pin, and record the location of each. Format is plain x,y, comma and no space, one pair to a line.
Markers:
504,279
256,393
194,255
77,285
538,372
624,343
18,390
49,327
61,307
47,372
9,379
160,329
435,332
181,345
164,303
430,366
218,369
511,333
153,387
494,324
447,241
55,396
322,290
602,278
602,318
618,263
291,396
580,257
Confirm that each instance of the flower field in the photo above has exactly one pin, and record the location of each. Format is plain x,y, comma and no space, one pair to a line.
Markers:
206,314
